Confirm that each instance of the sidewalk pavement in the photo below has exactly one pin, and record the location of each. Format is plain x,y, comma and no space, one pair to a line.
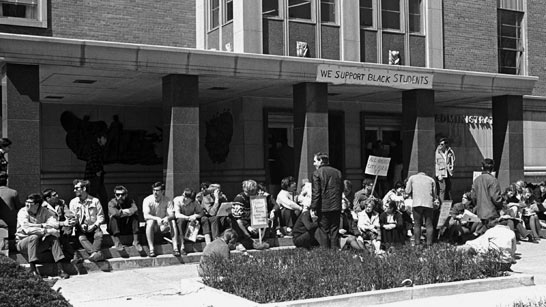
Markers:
170,285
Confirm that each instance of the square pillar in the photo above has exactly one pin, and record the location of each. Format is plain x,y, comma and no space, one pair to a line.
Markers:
180,133
21,124
508,138
310,126
247,26
418,131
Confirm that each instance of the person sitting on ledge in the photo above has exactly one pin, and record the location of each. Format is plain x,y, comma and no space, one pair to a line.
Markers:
157,211
89,216
188,212
38,234
123,217
240,212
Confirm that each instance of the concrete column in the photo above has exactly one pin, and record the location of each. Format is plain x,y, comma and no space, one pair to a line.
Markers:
180,133
418,131
435,36
508,138
21,124
247,26
200,24
310,125
350,30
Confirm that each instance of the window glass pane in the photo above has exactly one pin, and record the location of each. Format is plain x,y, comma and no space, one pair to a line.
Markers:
270,8
366,13
328,10
14,10
510,44
214,13
390,14
229,10
415,16
299,9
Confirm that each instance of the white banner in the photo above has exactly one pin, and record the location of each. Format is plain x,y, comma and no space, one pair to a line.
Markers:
371,76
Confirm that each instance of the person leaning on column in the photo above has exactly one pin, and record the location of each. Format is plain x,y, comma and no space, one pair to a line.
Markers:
445,159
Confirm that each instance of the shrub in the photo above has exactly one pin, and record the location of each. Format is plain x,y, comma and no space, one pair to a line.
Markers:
276,276
20,288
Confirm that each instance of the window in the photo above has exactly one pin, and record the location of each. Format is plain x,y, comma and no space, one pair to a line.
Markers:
366,13
27,13
414,16
390,14
228,11
214,14
328,11
510,42
300,9
270,8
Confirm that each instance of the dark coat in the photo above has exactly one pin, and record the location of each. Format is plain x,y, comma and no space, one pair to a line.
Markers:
486,196
327,189
395,235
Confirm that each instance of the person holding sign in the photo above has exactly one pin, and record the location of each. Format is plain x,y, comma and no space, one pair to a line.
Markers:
241,216
188,214
327,187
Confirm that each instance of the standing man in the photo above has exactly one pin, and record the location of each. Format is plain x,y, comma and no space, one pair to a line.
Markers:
38,234
422,188
89,216
486,193
326,200
5,143
122,211
9,205
445,159
94,170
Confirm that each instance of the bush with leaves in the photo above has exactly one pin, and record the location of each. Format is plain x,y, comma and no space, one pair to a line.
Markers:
20,288
277,276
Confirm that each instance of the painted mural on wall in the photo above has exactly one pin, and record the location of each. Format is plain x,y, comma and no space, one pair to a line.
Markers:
219,134
125,146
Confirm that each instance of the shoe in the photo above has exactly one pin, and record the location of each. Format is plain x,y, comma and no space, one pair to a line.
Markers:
119,247
152,254
76,260
63,275
176,253
279,233
138,247
183,252
531,239
95,257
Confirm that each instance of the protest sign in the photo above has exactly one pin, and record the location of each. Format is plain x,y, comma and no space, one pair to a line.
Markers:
444,213
258,211
378,166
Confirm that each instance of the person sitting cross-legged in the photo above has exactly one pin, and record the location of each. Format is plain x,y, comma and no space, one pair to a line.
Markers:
123,217
38,234
188,212
220,247
157,210
89,216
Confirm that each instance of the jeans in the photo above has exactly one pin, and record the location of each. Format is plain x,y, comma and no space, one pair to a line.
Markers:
39,248
96,236
420,213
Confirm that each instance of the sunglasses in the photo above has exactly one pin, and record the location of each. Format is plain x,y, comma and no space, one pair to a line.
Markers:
120,194
77,188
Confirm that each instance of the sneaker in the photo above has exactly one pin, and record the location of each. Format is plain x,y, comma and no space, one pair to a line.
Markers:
261,246
176,253
183,252
138,247
76,259
119,247
63,274
95,257
279,233
152,253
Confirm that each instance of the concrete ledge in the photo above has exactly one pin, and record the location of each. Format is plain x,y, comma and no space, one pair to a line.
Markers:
410,293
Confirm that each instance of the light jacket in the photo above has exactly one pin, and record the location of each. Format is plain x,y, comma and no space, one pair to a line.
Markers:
444,163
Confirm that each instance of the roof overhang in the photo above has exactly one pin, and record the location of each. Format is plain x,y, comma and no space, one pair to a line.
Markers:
131,73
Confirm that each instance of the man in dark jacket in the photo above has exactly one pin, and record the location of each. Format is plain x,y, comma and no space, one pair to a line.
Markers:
326,200
486,193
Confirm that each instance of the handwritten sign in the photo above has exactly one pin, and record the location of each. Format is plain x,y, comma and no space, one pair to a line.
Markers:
258,211
372,76
444,213
377,166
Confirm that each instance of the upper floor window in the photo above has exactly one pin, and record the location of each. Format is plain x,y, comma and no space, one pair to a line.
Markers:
228,11
366,13
27,13
299,9
414,16
510,41
328,11
214,20
390,14
270,8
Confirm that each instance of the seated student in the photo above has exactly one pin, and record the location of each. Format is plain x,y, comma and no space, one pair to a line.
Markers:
529,211
368,223
123,217
392,226
349,235
510,215
212,200
66,219
273,209
89,216
220,247
37,234
157,210
458,230
304,229
290,209
187,212
497,238
240,213
396,194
